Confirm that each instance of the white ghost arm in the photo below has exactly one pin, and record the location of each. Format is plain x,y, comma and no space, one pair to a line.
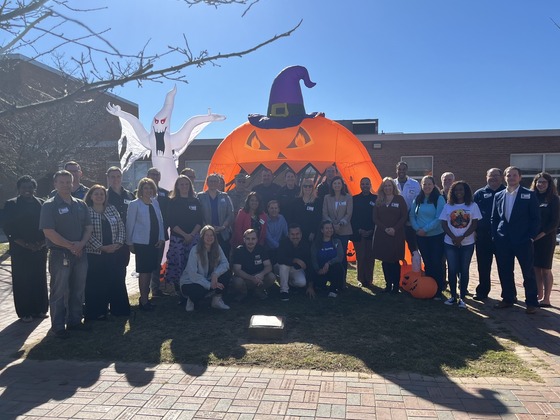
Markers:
192,128
137,138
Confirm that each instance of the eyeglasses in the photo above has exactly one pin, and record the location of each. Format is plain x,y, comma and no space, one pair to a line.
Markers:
307,186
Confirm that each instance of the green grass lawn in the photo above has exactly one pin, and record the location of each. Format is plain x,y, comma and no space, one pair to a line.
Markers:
360,331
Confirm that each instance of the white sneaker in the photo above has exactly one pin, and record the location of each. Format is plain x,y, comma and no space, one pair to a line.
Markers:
462,304
218,303
450,301
189,307
332,295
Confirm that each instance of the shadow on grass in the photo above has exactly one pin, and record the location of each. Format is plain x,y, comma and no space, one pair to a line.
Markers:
359,331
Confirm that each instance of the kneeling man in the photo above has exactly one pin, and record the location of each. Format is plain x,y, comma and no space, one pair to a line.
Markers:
293,259
252,268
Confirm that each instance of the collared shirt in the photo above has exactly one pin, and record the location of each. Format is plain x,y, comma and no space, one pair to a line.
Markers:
509,202
67,219
409,190
120,201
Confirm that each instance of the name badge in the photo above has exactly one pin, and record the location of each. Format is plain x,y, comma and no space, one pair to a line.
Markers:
127,202
525,196
63,210
162,194
487,195
261,221
371,203
223,200
258,260
342,203
310,208
412,193
192,208
544,205
395,205
112,219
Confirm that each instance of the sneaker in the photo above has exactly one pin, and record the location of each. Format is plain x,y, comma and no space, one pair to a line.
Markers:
450,301
218,303
284,296
332,295
189,307
40,315
461,304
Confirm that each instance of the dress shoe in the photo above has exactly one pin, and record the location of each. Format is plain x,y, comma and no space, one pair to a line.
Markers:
480,298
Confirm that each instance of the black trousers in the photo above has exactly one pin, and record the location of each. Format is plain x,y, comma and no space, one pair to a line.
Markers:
485,252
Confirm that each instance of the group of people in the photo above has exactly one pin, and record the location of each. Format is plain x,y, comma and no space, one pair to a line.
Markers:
224,246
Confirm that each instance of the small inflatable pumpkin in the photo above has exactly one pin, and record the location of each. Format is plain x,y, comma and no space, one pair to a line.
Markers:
409,280
424,288
351,252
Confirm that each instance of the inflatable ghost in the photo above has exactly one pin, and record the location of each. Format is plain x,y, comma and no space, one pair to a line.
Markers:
289,137
164,147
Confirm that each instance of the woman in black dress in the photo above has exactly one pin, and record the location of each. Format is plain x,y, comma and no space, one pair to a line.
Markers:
545,241
27,250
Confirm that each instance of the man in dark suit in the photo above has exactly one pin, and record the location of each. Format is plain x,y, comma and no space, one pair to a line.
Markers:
515,223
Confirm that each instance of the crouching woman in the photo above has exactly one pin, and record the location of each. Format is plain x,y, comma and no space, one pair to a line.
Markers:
207,271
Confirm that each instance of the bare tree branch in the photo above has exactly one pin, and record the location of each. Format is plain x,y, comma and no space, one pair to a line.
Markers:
98,65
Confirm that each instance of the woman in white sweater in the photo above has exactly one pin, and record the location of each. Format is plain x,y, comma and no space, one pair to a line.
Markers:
207,271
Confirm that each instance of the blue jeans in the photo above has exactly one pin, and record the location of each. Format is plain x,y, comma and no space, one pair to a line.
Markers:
68,284
458,262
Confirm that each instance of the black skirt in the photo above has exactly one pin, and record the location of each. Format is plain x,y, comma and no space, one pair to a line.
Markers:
147,258
544,251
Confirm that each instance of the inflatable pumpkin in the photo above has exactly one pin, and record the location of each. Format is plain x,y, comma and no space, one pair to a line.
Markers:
351,252
423,288
288,137
409,279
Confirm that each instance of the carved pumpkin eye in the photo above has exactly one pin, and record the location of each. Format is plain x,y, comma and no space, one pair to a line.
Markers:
301,139
253,142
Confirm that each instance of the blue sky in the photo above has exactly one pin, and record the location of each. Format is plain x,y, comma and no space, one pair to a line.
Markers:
417,66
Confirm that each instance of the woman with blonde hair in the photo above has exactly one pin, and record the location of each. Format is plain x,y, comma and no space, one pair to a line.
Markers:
390,214
144,236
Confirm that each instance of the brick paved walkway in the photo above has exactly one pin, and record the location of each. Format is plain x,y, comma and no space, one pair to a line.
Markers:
96,390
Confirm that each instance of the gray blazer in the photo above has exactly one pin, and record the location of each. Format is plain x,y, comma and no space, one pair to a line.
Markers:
337,213
138,222
225,212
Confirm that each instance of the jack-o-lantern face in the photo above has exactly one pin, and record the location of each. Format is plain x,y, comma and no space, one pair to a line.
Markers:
318,142
302,139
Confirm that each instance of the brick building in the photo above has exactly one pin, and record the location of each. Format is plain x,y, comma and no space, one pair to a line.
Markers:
467,154
39,141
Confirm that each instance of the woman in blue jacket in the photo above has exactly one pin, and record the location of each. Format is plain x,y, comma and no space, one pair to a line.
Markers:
424,217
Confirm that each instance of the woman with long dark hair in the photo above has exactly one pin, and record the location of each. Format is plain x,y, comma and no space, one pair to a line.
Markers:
184,217
459,219
337,207
424,218
207,270
545,241
251,216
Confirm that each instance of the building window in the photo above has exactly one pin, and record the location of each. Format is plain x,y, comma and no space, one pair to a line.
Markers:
532,164
419,166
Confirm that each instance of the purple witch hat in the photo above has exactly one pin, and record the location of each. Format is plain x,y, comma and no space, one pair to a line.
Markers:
285,104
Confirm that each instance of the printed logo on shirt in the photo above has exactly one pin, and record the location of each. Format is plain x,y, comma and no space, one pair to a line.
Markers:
341,203
487,195
371,203
63,210
544,205
460,218
310,208
192,208
395,205
525,196
258,260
